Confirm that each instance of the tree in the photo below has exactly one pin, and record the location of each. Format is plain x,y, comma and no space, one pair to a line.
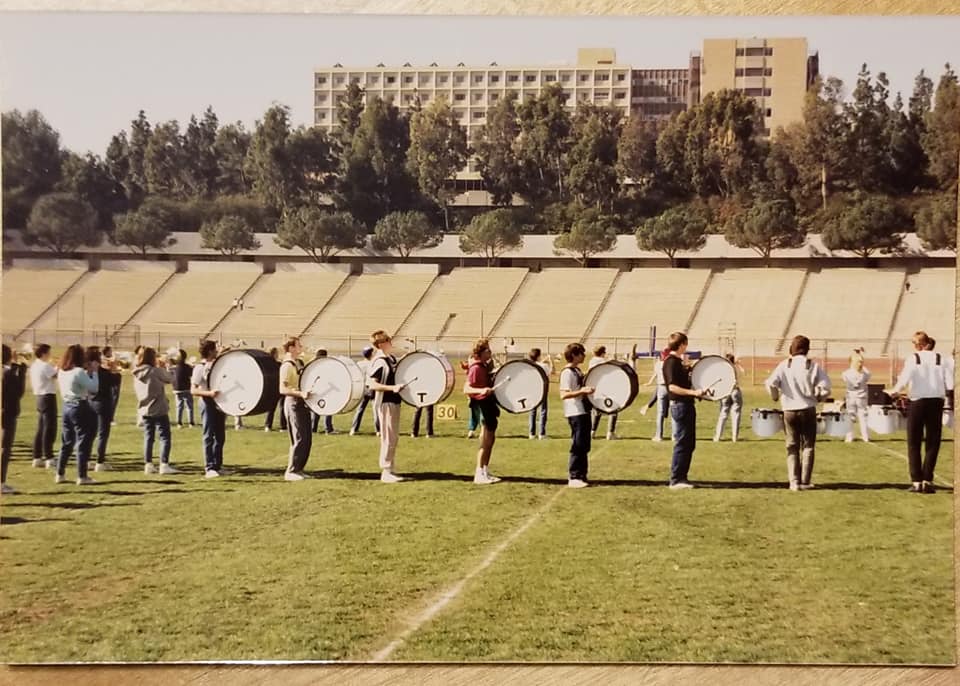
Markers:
494,147
89,179
349,114
491,234
868,118
268,163
164,162
405,232
438,150
543,141
906,161
937,223
942,139
136,181
591,232
117,162
313,165
31,160
868,224
149,226
230,149
62,222
200,164
765,225
230,235
318,233
592,172
637,153
679,228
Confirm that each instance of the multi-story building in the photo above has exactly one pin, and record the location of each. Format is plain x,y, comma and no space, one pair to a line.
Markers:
775,71
595,78
658,94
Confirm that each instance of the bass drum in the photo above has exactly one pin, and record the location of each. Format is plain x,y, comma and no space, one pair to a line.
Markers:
615,386
520,386
248,382
427,378
715,374
335,384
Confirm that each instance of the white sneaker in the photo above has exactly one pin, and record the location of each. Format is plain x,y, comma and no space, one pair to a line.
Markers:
211,474
267,429
352,432
657,439
38,464
101,467
848,439
794,486
491,476
85,481
531,437
389,477
612,436
149,468
543,437
681,485
304,475
577,483
643,410
716,439
470,434
7,490
807,487
292,476
168,469
58,479
481,478
50,464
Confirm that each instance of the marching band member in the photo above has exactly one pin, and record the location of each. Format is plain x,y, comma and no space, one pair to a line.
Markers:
103,406
683,412
212,419
78,380
14,376
599,357
44,387
479,389
182,373
383,381
296,411
547,366
154,408
799,383
926,374
368,395
660,396
575,408
855,379
732,405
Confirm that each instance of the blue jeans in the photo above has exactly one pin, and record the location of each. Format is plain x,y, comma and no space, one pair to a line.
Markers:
214,434
358,415
79,429
152,425
543,420
473,423
663,411
103,409
184,404
579,446
684,414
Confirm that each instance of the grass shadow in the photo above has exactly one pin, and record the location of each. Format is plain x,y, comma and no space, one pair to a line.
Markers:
10,521
69,506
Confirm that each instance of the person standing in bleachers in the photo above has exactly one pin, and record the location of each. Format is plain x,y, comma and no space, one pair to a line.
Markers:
856,378
383,381
14,381
547,366
78,381
182,372
930,383
799,383
149,379
368,395
296,410
44,387
732,405
103,406
212,419
328,418
599,357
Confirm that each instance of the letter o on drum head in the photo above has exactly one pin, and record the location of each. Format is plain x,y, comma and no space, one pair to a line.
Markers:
615,386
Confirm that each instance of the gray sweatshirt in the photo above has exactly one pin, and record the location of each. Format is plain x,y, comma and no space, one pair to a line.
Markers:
148,385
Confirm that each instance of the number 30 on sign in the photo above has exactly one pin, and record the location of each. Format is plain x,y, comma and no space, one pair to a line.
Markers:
447,412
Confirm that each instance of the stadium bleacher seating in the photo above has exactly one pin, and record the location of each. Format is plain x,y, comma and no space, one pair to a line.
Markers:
928,305
30,289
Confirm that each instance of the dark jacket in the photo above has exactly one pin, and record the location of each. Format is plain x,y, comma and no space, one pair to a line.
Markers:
181,376
14,382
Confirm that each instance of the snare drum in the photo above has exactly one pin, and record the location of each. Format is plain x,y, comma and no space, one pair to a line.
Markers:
248,382
948,418
715,374
883,419
835,424
766,423
427,378
520,386
615,386
336,385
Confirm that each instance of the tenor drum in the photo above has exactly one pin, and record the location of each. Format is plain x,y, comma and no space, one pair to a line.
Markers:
248,382
766,423
716,375
615,386
948,418
883,419
835,424
427,378
520,386
335,384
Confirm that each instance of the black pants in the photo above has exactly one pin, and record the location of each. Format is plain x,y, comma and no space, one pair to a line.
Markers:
924,417
46,427
298,428
272,411
9,431
416,420
579,446
104,411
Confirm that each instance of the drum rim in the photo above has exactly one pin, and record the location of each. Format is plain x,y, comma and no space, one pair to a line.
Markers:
351,403
728,363
444,363
254,354
543,376
634,385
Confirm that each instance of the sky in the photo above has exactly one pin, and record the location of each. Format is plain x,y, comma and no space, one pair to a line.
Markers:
89,74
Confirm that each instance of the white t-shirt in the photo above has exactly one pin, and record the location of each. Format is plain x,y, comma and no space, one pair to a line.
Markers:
658,370
42,375
570,381
199,376
798,383
927,379
595,360
856,382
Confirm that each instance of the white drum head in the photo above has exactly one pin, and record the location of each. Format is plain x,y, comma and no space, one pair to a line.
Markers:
715,374
427,378
335,385
520,386
239,379
615,386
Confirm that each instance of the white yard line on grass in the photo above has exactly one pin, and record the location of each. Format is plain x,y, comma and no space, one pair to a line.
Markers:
942,482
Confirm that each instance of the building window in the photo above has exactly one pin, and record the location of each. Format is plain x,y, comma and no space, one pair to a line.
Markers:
767,92
549,78
355,80
322,98
565,78
321,79
753,92
477,115
603,77
391,79
758,52
738,71
459,96
321,116
478,79
621,77
494,96
584,77
408,79
338,81
495,78
373,80
768,52
620,96
458,79
513,78
769,112
530,78
739,52
756,71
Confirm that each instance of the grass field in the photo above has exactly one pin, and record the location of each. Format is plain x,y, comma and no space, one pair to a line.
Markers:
346,568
